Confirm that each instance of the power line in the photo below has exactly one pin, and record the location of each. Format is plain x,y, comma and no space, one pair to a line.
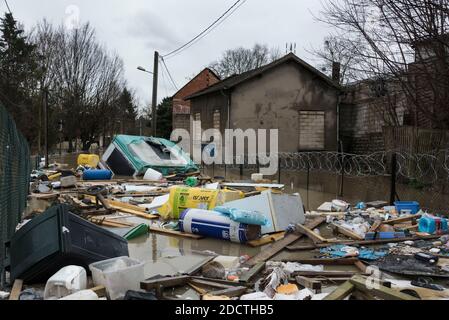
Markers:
164,81
212,29
205,31
169,74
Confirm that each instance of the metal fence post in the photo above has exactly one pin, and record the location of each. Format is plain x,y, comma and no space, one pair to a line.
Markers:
393,193
279,169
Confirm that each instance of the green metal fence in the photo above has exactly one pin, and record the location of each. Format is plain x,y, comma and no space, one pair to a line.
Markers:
14,177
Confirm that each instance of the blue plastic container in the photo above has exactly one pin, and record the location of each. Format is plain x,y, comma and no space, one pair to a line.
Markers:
407,206
433,225
97,175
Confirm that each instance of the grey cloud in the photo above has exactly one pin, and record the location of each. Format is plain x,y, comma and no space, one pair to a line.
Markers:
154,31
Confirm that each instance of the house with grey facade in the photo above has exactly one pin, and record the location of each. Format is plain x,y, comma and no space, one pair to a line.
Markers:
288,94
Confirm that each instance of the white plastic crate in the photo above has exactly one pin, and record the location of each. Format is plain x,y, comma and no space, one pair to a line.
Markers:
118,275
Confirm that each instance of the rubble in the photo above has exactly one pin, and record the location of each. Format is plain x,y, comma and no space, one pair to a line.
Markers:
346,241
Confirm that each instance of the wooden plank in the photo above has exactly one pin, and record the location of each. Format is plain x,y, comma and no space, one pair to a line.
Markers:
100,291
325,273
347,232
314,262
361,243
410,228
230,292
267,239
211,284
16,290
199,290
225,282
250,274
134,212
175,233
112,224
375,226
402,219
281,244
164,282
341,292
315,237
380,290
361,266
309,283
128,208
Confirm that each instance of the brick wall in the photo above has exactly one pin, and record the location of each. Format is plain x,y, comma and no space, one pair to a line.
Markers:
181,121
365,112
181,107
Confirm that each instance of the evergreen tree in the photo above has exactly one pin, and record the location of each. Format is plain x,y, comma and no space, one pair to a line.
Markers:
164,118
18,75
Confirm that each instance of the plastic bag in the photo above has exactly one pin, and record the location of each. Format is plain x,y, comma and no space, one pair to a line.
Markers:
244,216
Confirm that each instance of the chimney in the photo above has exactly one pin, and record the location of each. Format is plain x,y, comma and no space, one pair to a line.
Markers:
336,69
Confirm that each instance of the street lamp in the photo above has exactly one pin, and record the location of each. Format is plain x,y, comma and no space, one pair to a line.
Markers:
154,98
144,70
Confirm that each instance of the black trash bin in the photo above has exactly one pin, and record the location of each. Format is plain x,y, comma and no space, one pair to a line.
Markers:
56,239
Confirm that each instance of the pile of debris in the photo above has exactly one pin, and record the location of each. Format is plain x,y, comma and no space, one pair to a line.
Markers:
83,222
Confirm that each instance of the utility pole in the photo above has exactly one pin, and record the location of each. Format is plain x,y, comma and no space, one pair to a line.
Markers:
155,82
46,126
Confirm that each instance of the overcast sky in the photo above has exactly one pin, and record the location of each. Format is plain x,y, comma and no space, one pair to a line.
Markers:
136,28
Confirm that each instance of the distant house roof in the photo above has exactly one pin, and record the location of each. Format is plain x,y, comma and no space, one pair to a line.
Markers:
235,80
198,75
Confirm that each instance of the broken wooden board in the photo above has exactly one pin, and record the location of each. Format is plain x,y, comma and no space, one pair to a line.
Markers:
100,291
379,290
251,273
128,208
309,283
175,233
326,262
341,292
161,283
376,225
315,237
402,219
334,274
361,243
423,293
347,232
267,239
230,292
16,290
281,244
44,196
110,223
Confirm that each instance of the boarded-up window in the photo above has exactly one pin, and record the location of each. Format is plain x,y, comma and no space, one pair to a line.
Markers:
217,119
311,130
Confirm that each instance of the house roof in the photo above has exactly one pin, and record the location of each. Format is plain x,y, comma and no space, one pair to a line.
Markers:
235,80
199,74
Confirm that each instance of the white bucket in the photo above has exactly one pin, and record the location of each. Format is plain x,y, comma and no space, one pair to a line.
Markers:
66,281
153,175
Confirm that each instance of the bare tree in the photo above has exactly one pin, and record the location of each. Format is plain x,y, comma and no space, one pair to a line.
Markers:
343,51
401,40
240,60
85,81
